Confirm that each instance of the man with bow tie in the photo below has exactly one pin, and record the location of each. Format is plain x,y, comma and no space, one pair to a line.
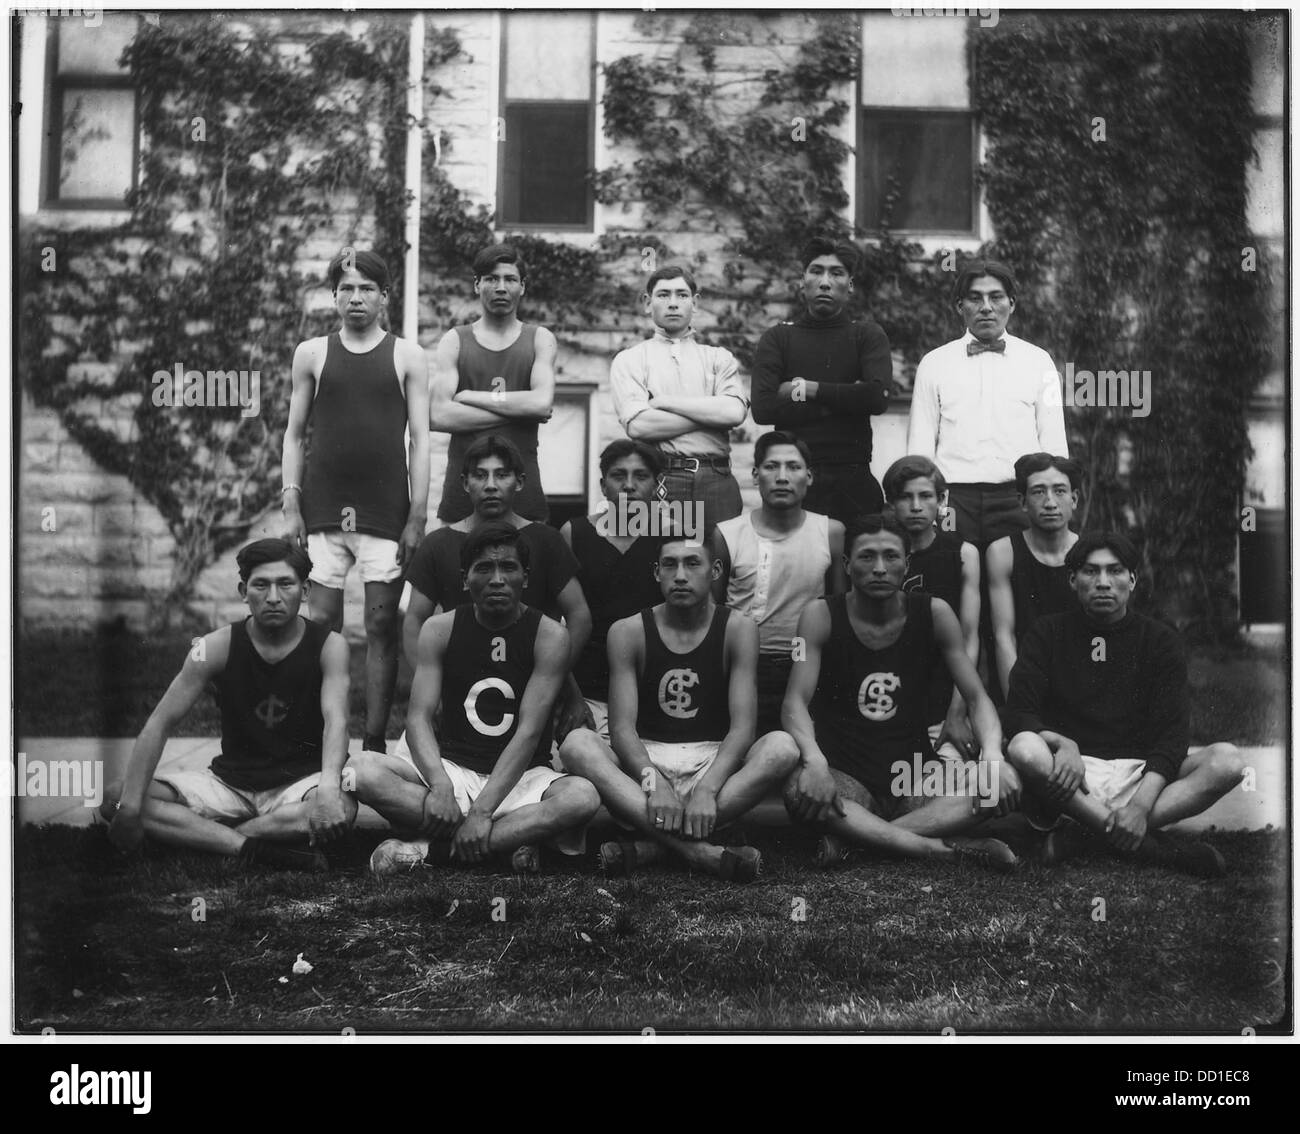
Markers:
981,402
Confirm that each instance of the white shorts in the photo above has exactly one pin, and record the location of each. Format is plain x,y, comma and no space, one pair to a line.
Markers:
949,751
1113,782
210,796
333,553
468,785
685,764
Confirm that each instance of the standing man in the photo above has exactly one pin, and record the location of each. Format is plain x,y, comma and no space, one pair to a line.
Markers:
681,714
823,377
1099,716
1027,573
982,401
856,707
616,553
481,786
496,375
282,685
776,560
684,398
360,390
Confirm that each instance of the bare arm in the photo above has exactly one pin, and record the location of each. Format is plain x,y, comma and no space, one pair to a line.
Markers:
984,717
446,414
1002,608
415,366
534,404
836,579
742,656
334,659
419,609
293,457
813,631
626,648
968,614
426,695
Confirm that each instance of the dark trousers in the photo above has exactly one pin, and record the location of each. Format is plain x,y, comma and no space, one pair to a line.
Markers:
843,491
717,491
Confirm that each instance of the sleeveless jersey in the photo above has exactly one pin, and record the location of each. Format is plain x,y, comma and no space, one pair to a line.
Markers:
684,697
616,584
937,571
1036,588
479,369
271,722
772,580
357,458
483,683
869,709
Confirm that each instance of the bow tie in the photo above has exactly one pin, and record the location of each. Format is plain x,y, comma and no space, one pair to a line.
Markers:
978,347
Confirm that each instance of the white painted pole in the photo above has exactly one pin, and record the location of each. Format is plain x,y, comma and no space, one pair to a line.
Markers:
414,139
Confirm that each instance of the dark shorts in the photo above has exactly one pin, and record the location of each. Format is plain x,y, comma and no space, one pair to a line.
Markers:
985,512
843,491
773,675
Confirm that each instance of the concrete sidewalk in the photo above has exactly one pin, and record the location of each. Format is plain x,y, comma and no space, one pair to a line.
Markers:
103,761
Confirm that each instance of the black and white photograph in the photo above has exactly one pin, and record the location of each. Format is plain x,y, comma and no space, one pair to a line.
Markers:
645,523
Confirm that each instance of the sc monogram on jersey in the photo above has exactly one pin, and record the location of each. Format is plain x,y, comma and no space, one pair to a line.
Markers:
471,706
874,696
674,698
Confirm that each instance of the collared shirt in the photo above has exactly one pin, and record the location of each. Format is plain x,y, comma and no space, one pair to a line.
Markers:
664,367
975,415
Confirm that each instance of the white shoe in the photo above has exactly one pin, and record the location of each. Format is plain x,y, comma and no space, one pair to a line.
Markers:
392,856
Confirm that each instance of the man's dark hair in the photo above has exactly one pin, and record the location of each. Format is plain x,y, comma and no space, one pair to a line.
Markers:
367,263
495,533
780,437
848,255
1032,463
495,254
626,447
670,532
671,272
909,468
272,551
976,268
494,445
1119,545
872,523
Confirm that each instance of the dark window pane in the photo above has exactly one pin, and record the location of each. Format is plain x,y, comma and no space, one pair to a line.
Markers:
926,159
545,167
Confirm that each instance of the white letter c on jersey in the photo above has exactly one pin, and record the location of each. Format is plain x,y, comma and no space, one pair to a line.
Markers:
471,706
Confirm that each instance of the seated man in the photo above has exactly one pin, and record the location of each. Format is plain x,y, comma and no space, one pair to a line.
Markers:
493,476
282,684
1027,577
944,566
776,560
1099,719
616,552
482,786
863,677
681,714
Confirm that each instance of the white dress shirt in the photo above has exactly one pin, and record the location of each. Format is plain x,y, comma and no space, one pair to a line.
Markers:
975,415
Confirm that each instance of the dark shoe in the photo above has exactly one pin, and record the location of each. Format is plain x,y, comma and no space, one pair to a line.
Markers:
830,853
1066,841
619,859
744,864
1199,859
526,859
993,854
393,856
1042,816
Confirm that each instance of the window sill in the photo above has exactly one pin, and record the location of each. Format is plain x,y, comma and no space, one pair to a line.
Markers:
67,217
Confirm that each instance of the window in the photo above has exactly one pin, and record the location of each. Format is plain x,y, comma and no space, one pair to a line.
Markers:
91,143
916,134
548,114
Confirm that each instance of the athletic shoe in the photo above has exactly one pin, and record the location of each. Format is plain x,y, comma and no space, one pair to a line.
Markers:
743,864
278,856
1199,859
831,852
527,859
1064,842
393,856
991,853
1042,816
621,858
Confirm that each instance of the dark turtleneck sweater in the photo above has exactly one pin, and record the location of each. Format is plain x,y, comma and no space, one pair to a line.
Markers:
851,364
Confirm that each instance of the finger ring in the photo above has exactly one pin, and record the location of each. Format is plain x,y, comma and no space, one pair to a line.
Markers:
659,821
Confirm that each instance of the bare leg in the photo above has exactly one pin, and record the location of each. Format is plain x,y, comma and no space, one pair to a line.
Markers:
171,822
391,786
326,606
382,642
566,804
767,764
1031,756
1206,776
946,815
290,822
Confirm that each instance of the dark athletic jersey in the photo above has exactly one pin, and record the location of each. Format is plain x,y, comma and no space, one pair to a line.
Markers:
1036,588
684,697
271,722
869,709
937,571
617,584
435,568
356,457
484,675
479,369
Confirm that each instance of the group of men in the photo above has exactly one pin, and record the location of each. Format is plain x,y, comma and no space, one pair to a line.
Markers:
672,664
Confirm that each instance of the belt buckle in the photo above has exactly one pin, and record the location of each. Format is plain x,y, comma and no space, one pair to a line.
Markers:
687,461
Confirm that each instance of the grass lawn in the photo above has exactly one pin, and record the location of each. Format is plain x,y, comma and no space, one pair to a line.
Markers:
106,683
108,945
